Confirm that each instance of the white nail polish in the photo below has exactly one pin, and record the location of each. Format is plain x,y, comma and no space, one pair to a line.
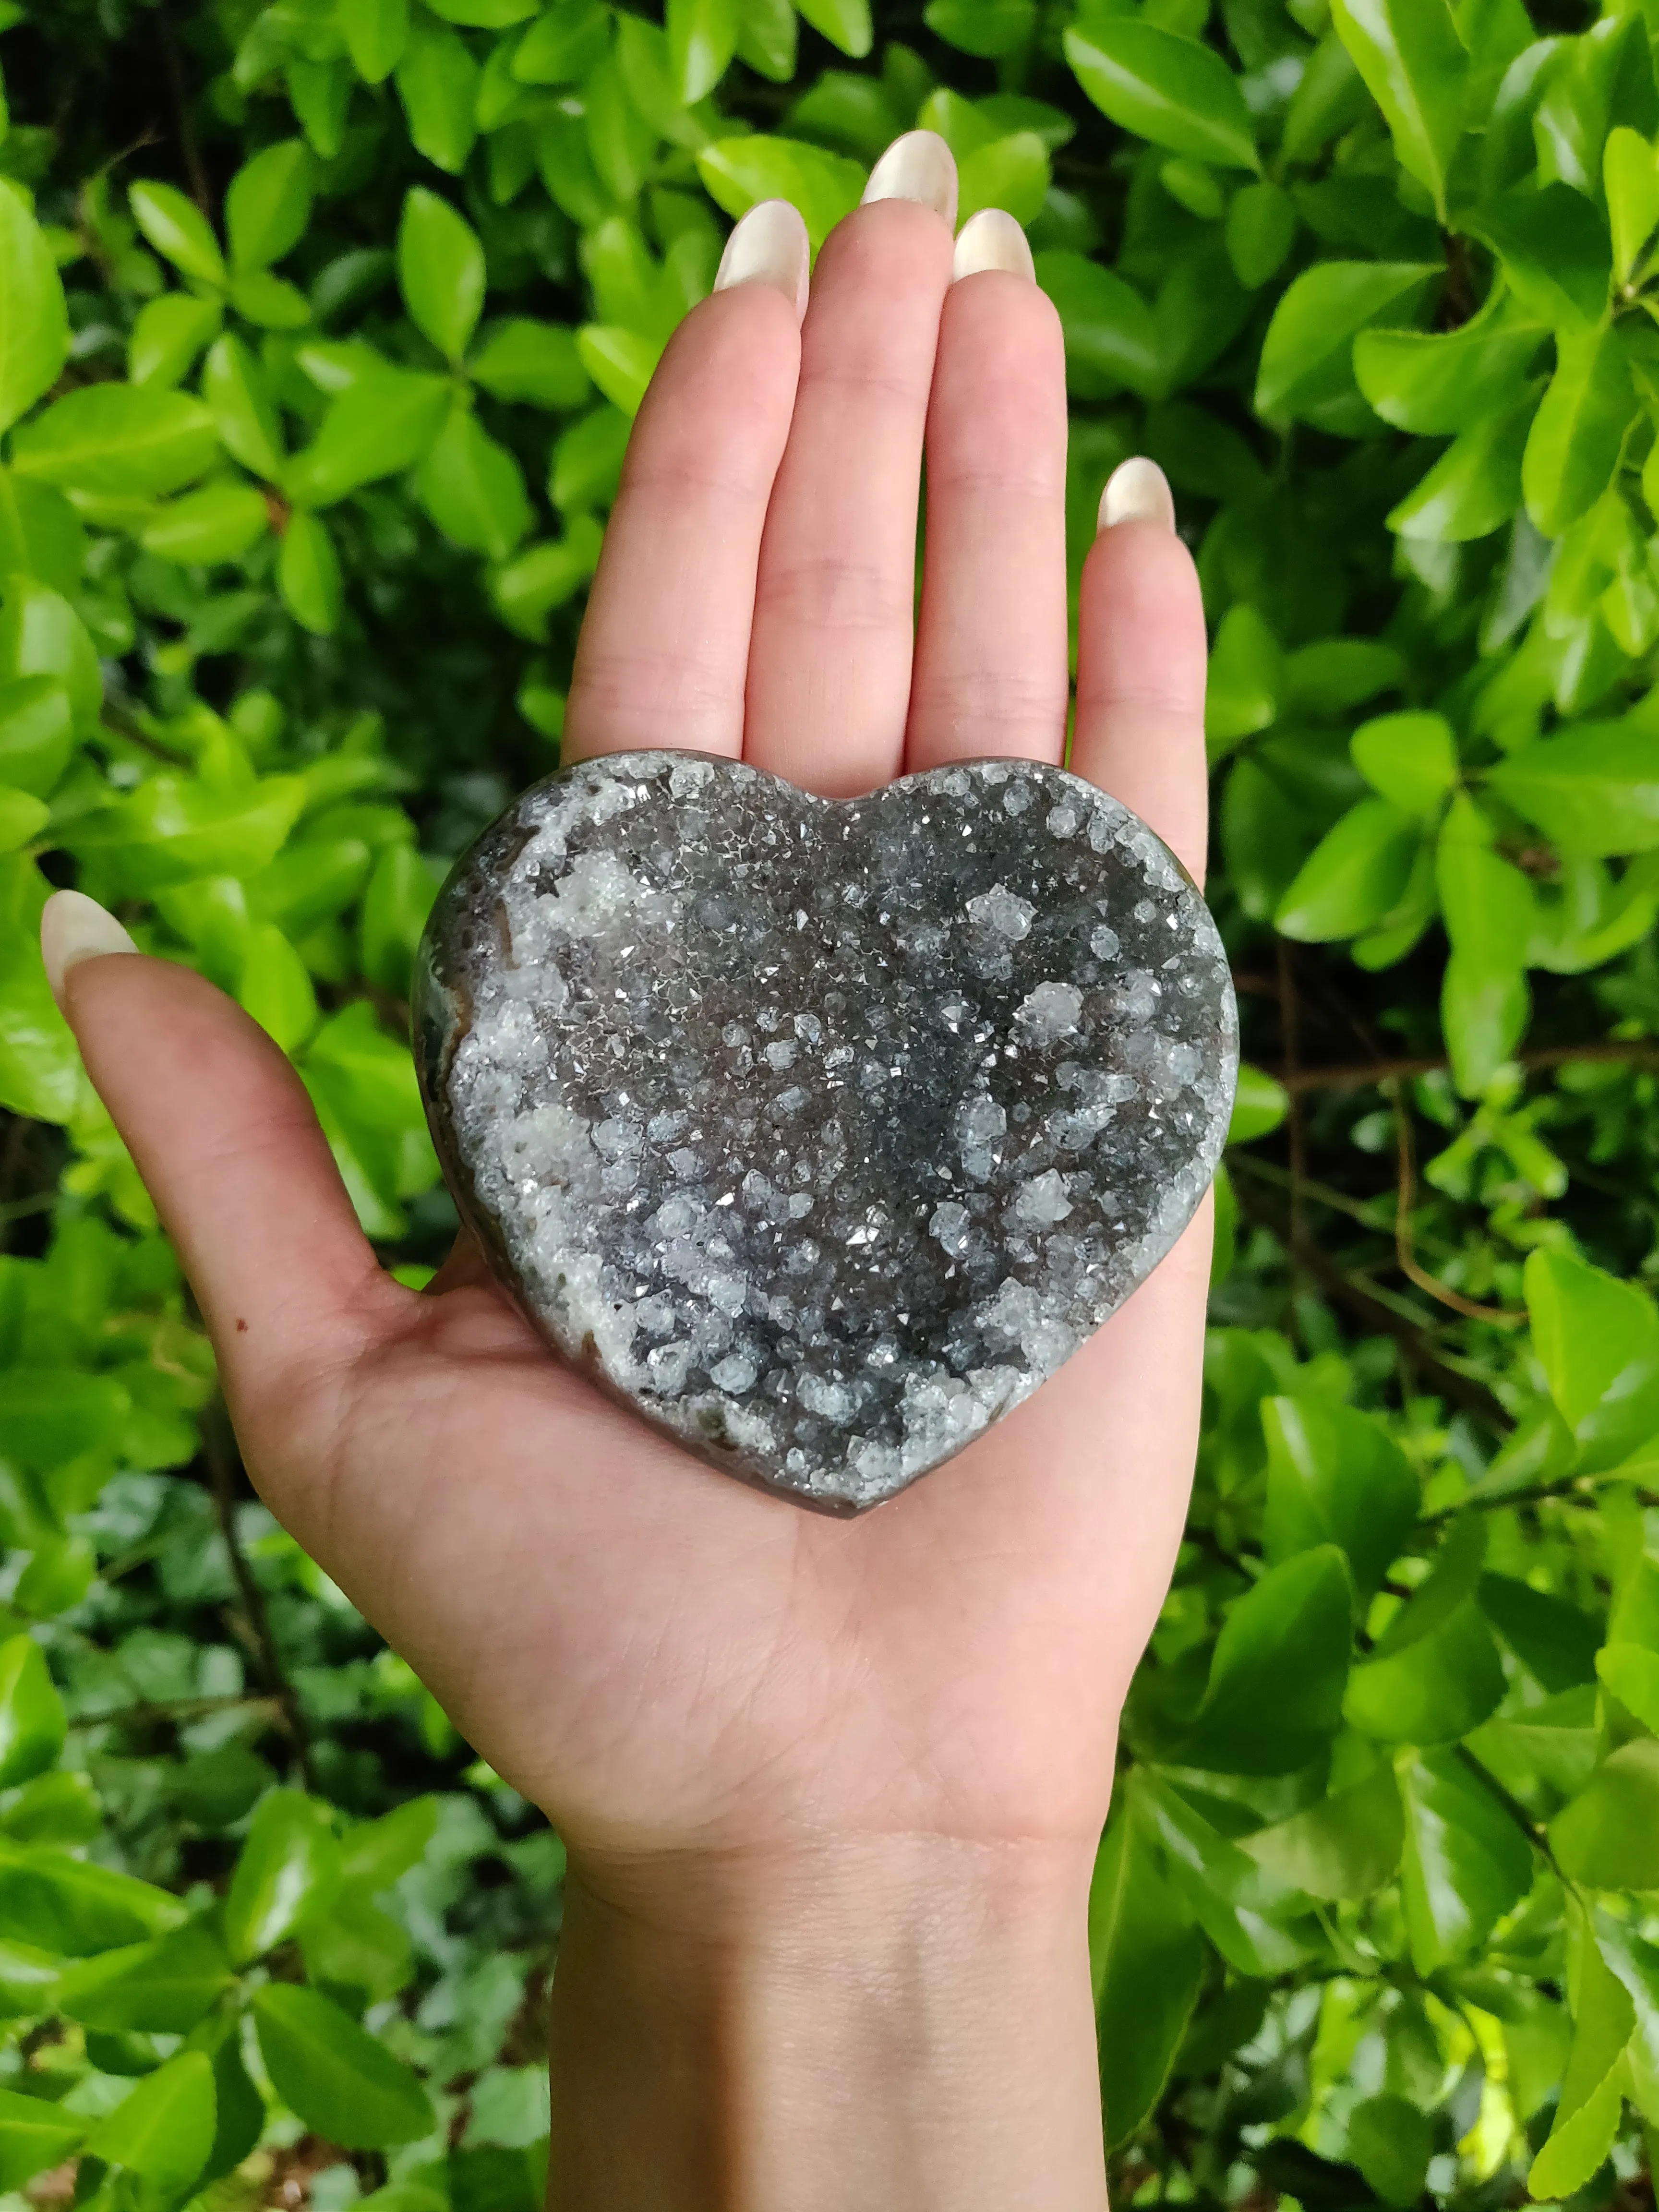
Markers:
991,240
918,167
1137,490
74,928
770,245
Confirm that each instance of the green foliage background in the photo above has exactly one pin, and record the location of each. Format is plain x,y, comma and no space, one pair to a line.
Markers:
321,323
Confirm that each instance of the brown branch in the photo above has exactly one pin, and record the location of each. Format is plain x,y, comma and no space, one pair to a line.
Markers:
218,1446
175,1710
1370,1307
1631,1052
1404,1249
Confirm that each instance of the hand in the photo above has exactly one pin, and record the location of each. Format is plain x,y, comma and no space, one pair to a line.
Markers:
831,1791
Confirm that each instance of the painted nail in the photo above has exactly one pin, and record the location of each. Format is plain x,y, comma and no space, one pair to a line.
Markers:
991,240
918,167
770,247
1136,492
74,928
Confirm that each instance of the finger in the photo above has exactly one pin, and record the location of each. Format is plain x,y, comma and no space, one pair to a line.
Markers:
225,1138
834,605
991,665
1141,662
665,645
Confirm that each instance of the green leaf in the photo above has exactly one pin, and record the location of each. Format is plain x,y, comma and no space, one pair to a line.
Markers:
168,335
1554,246
1636,1963
163,2130
1579,430
1148,1964
1474,488
1307,355
531,361
1608,1836
32,1723
703,36
308,574
40,1076
377,426
543,577
472,489
235,388
74,1908
288,1868
343,2084
1593,789
28,1980
1010,173
1390,2140
173,829
275,988
378,1852
1434,383
1335,1476
1466,1861
33,322
1592,2092
1554,1639
1261,230
1345,1846
1247,677
563,44
1597,1340
23,818
1111,341
845,23
1411,760
267,204
218,523
739,173
119,439
1170,90
1631,1674
1416,70
1353,877
1434,1673
177,227
162,1988
34,2137
375,33
1260,1105
1274,1697
437,82
1630,172
485,14
990,29
440,270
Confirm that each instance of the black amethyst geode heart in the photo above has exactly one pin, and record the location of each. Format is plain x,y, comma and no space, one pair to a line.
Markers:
822,1132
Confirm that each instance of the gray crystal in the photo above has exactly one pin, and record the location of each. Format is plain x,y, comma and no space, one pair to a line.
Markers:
822,1132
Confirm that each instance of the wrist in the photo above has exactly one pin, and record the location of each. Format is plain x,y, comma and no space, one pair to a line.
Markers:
900,2020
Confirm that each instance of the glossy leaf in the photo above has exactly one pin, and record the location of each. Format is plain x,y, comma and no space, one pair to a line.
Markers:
1334,1477
1169,90
135,440
1587,2115
739,172
1416,69
177,227
1593,788
1307,355
267,204
163,1987
1147,1961
34,2134
1275,1687
1353,877
1466,1862
441,269
1577,436
340,2082
163,2130
1608,1836
375,33
32,1720
33,322
1434,383
1410,760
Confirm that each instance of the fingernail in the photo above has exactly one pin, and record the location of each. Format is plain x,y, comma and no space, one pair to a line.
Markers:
1136,492
991,240
74,928
770,247
918,167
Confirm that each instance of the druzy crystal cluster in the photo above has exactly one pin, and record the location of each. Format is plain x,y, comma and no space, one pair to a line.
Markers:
821,1132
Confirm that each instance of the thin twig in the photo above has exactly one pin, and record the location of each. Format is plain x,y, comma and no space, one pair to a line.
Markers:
1404,1251
1361,1299
217,1445
175,1710
1360,1075
1531,1829
189,151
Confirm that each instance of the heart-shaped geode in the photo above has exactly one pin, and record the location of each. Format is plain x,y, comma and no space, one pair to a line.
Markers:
821,1133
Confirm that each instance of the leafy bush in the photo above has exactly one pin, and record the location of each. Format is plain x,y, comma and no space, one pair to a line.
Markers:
321,323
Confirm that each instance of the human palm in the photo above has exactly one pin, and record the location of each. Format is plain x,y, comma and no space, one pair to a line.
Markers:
664,1660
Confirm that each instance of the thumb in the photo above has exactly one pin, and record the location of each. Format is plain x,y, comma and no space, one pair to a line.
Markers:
225,1138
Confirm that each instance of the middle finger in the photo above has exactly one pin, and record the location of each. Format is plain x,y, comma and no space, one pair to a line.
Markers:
830,653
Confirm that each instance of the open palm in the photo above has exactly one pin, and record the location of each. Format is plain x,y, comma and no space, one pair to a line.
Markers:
660,1658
